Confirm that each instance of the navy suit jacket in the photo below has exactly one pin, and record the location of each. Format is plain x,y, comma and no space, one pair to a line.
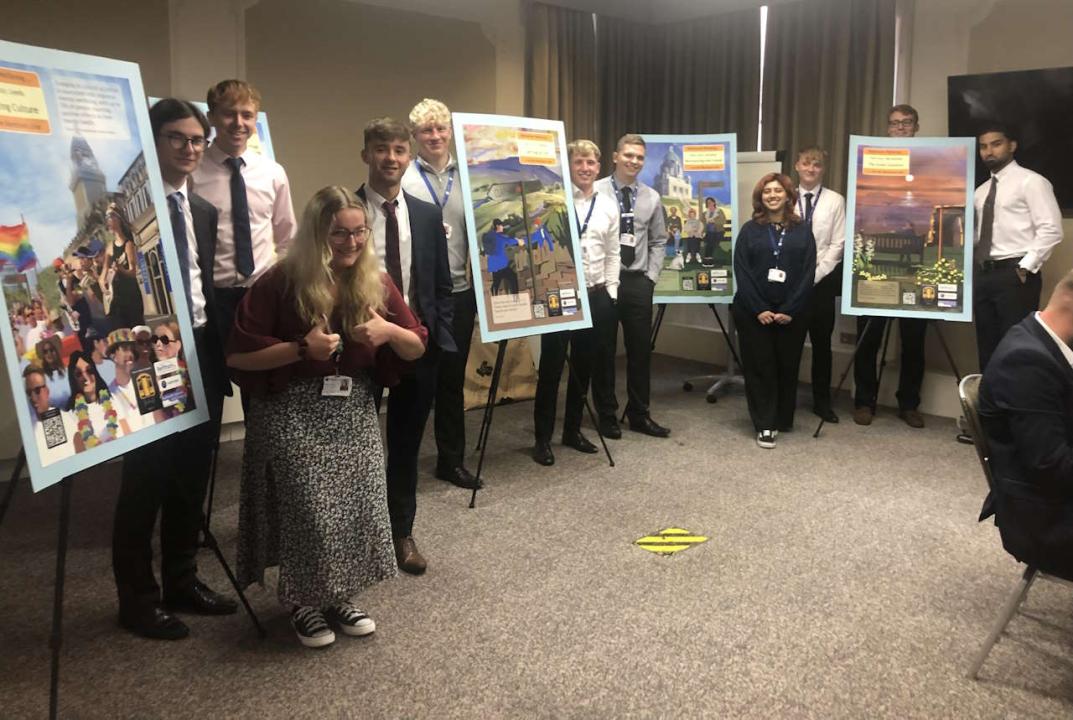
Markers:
211,358
1026,410
431,275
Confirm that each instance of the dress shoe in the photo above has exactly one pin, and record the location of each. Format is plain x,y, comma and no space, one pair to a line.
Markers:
459,476
579,442
609,428
542,454
408,557
862,415
912,418
199,599
826,414
648,426
153,622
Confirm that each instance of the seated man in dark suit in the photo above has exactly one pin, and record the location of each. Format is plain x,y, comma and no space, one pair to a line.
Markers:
1026,409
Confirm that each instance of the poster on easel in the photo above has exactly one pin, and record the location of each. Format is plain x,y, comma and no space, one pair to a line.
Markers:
909,229
259,142
695,178
523,240
99,350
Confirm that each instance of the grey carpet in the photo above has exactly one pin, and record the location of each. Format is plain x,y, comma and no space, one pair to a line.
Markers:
845,577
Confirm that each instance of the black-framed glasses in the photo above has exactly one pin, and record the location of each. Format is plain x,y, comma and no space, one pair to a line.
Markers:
905,123
162,339
178,141
341,235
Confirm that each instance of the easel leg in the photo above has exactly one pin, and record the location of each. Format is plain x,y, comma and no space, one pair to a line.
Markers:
9,494
962,437
588,407
210,542
56,641
849,366
212,486
726,336
882,363
486,424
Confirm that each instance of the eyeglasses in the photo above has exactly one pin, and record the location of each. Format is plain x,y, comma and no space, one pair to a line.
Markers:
178,141
162,339
906,123
341,235
31,391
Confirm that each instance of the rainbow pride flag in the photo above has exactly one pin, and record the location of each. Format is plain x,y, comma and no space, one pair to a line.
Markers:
15,247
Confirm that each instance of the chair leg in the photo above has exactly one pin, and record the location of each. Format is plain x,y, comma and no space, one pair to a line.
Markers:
1012,603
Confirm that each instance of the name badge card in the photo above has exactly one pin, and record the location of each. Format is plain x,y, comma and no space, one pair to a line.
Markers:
627,239
336,386
776,275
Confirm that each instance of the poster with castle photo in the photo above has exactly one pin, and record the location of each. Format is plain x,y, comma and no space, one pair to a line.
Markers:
99,349
523,240
910,228
695,178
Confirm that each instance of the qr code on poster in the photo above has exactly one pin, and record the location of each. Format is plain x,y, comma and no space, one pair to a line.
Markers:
55,434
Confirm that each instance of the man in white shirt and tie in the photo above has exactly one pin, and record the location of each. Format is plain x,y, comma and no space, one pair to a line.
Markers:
1018,224
825,210
598,229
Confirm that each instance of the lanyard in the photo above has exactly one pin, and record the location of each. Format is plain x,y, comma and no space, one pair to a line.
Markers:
776,247
815,202
581,228
432,192
618,197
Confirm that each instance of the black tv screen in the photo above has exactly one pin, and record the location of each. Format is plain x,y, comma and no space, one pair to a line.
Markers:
1037,104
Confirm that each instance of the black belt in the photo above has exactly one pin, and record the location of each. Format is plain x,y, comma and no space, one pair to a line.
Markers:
989,265
597,288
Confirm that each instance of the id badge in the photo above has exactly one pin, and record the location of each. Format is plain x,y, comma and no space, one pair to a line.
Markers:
447,229
627,239
776,275
336,386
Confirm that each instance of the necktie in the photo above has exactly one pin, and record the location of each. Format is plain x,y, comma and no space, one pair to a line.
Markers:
240,219
987,224
808,207
392,257
626,226
182,248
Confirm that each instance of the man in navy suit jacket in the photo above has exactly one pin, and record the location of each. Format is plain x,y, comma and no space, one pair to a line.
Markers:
410,241
171,475
1026,409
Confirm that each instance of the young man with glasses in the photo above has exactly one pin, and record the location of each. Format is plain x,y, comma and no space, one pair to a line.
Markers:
171,475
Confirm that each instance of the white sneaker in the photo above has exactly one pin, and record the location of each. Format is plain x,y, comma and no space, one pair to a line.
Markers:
311,627
351,620
766,439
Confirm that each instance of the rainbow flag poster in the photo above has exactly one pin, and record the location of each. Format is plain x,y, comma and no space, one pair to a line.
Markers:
15,247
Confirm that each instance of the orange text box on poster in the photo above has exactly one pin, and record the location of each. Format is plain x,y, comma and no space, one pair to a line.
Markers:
22,103
885,161
698,158
537,148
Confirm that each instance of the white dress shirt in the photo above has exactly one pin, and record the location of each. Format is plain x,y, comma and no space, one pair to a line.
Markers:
268,195
376,201
454,213
828,226
197,294
1027,219
1067,352
600,257
649,228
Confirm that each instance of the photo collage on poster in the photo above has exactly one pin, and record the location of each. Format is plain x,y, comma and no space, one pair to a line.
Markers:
910,230
523,239
96,339
695,178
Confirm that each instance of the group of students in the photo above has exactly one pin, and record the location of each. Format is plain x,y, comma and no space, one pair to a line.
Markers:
371,291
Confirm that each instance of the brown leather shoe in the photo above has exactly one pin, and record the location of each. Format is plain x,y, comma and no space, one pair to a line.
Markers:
408,557
912,418
862,415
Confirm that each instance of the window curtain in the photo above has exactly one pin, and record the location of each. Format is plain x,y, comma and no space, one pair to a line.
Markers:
828,74
560,68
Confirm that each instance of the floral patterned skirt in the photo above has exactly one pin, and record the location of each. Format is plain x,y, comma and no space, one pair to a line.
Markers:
314,498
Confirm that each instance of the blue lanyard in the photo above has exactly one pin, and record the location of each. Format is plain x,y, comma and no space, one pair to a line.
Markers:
618,197
446,192
581,228
815,202
776,247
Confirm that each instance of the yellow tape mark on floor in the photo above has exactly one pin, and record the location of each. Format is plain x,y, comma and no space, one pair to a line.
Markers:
670,541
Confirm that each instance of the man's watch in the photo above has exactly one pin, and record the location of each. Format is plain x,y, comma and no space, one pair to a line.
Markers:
303,347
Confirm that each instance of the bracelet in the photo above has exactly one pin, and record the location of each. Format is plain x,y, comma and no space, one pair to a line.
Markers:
303,347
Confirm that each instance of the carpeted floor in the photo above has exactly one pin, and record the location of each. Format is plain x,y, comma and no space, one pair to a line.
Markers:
845,577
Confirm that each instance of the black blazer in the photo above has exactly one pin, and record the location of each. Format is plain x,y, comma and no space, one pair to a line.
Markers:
431,275
211,357
1026,409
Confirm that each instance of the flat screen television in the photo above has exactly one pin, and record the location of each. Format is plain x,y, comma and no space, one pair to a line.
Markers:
1038,104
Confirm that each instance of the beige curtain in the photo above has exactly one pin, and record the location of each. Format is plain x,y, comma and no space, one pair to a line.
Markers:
560,68
828,74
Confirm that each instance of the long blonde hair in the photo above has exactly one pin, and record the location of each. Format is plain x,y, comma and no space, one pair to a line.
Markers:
310,276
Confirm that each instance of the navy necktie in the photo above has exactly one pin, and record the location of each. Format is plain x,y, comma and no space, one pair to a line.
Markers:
987,224
182,247
392,256
808,207
626,227
240,219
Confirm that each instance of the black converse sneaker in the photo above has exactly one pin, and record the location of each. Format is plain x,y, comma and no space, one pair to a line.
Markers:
766,439
312,629
351,620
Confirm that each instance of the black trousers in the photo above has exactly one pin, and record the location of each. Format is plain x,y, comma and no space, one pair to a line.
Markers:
408,407
507,275
169,477
227,301
821,325
1000,301
770,358
911,374
634,309
450,421
583,345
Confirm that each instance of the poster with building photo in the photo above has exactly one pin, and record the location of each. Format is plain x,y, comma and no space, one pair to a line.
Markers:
523,239
99,349
910,230
695,178
261,140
